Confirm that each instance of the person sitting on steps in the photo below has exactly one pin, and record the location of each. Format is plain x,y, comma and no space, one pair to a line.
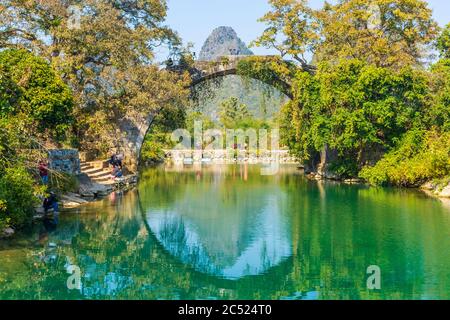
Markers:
116,173
116,160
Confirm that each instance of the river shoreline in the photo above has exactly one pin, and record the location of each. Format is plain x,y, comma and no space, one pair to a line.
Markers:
71,200
140,236
436,190
88,193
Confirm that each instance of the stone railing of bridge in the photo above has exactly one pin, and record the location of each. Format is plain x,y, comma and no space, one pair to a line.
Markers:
227,156
222,66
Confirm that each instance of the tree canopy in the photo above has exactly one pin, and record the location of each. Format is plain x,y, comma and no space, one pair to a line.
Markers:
443,43
34,92
353,108
105,53
387,33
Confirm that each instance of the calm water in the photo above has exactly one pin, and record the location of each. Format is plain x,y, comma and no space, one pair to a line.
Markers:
229,233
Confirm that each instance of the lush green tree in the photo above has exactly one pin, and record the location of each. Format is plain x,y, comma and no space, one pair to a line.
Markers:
438,115
420,156
423,153
443,43
17,197
105,51
9,92
356,109
233,113
387,33
292,29
35,93
197,116
158,137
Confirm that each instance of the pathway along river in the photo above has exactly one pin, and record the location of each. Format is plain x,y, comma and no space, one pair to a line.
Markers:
226,232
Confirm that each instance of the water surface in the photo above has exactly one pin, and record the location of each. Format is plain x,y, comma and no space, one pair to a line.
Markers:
226,232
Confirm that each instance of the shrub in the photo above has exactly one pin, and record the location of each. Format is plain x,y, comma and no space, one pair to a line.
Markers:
17,197
420,156
4,220
153,147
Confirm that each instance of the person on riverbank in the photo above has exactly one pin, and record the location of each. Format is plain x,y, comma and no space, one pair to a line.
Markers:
119,173
116,173
113,160
119,158
116,160
43,172
51,202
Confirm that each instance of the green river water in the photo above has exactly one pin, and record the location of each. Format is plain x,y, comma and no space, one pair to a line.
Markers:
228,232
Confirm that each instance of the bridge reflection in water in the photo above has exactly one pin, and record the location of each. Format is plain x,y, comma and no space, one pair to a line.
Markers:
226,232
218,228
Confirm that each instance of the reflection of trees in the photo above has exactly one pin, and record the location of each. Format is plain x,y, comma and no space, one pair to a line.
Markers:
340,235
335,236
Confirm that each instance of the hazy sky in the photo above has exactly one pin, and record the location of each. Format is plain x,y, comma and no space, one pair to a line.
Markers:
195,19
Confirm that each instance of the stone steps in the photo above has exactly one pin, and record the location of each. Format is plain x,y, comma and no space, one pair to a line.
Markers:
92,171
102,179
96,172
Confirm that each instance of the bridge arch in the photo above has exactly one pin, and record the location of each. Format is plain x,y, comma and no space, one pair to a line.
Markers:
203,71
136,128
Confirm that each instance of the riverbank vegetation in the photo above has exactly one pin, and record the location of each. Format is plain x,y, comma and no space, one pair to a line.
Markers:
35,109
74,76
374,105
231,113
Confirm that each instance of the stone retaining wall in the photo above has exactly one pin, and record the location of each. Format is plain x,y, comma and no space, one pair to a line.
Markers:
64,160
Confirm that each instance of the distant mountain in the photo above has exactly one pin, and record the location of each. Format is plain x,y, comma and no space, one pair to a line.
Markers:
262,100
223,41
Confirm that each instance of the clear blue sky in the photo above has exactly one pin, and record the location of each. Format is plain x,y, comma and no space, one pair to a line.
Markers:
195,19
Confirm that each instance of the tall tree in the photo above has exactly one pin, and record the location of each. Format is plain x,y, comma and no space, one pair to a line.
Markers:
356,109
233,113
387,33
105,51
292,29
34,93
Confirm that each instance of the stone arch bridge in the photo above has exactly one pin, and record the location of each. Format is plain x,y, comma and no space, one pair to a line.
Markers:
132,130
203,71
